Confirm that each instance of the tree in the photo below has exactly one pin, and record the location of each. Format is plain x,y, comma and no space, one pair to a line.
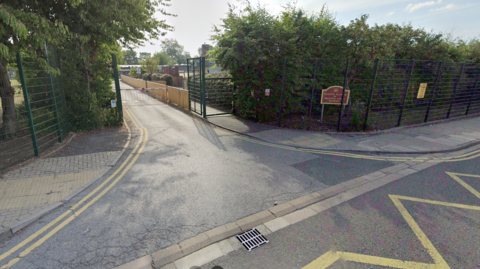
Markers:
22,30
173,49
163,59
144,55
90,29
130,57
150,65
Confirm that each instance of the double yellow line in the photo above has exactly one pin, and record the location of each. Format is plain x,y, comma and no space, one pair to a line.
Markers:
127,164
467,156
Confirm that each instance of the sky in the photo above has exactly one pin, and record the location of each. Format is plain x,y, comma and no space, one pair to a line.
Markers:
195,18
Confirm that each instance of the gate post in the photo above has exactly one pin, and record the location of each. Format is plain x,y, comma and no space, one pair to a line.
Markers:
202,82
117,87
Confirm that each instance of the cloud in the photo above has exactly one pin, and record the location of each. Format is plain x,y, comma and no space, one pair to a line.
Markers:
447,7
391,13
413,7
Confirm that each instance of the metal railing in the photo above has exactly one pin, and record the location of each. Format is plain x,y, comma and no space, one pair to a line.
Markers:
33,108
379,94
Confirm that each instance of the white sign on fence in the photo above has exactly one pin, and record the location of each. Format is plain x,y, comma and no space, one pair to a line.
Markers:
114,103
139,71
267,92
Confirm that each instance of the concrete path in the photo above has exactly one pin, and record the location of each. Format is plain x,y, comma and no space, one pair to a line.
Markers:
421,139
34,189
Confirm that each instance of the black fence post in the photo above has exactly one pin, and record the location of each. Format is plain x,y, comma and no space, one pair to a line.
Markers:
313,89
405,94
369,104
475,89
437,78
343,96
455,91
281,96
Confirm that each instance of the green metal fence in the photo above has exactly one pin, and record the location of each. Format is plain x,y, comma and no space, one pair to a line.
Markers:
209,95
196,84
34,115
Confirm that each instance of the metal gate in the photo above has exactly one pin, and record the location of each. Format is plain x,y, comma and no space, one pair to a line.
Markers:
196,84
209,95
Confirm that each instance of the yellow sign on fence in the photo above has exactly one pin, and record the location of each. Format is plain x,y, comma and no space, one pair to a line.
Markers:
421,90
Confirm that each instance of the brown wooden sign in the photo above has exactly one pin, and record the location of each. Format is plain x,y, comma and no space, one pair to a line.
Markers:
333,96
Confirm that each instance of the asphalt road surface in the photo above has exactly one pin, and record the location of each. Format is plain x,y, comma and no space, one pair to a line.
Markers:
371,227
178,178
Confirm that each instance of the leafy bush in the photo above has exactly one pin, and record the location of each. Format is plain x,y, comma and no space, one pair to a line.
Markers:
88,102
147,76
156,77
168,78
43,119
133,72
252,44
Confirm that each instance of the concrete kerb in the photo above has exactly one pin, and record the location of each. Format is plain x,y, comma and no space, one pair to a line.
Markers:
467,145
6,233
275,218
372,152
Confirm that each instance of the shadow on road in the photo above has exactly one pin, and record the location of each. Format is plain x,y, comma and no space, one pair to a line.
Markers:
208,132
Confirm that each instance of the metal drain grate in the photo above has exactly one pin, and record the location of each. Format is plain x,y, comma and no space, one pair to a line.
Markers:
252,239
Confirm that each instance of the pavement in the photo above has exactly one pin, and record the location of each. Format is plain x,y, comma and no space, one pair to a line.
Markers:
428,138
184,185
31,190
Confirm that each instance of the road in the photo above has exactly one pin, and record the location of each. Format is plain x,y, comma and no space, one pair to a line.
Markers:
430,219
178,178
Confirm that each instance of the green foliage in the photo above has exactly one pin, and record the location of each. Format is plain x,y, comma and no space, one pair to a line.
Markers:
133,72
163,58
156,77
150,65
130,57
144,56
43,119
219,91
173,49
147,76
168,78
85,32
88,101
251,44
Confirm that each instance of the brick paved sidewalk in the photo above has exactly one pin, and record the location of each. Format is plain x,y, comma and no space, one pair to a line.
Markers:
29,189
421,139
